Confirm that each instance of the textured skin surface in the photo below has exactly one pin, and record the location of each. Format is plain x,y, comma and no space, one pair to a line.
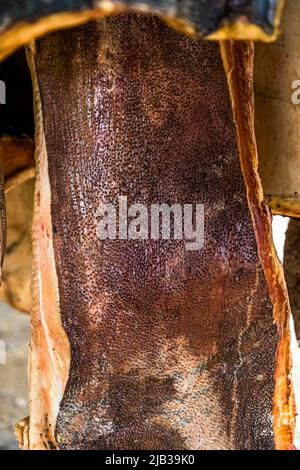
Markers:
169,349
206,15
291,266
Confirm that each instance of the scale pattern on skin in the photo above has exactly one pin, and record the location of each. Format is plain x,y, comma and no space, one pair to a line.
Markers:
169,349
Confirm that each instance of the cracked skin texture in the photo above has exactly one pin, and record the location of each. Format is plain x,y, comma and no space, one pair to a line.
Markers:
170,349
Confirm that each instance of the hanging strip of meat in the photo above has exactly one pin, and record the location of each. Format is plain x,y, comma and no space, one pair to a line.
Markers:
143,344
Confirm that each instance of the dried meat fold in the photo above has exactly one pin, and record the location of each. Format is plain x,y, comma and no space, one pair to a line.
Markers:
143,344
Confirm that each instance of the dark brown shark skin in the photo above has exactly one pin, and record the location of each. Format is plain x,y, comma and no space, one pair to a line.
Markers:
170,349
291,264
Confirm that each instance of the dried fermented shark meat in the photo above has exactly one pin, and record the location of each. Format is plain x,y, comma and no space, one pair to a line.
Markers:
23,21
143,344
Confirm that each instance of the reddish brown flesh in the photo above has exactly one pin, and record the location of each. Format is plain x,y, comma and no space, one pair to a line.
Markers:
170,349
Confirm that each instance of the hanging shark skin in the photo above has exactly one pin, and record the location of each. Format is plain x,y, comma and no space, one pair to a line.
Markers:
141,344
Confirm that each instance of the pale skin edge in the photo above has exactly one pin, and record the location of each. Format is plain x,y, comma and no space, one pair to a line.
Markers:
29,435
49,352
283,401
23,33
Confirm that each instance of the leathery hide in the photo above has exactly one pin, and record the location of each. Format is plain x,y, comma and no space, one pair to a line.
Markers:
143,344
